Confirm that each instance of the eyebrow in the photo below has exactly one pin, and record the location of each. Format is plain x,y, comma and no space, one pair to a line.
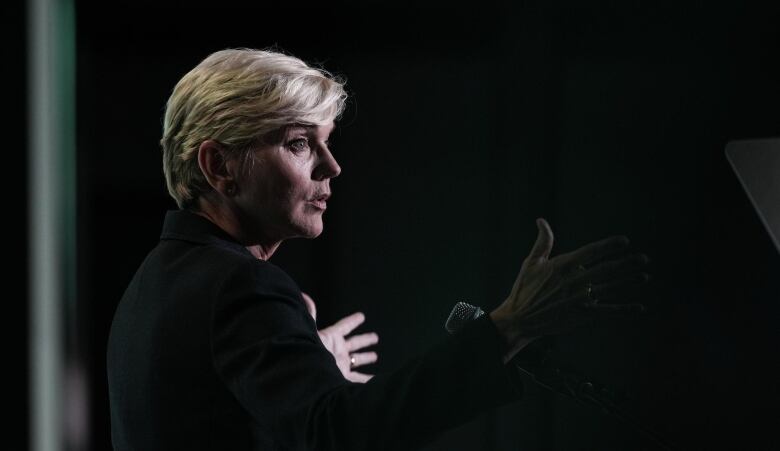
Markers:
298,125
308,127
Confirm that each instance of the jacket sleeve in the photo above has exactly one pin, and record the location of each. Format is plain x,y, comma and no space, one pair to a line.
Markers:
266,350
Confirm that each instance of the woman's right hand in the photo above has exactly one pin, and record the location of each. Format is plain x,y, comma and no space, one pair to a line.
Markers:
554,295
342,347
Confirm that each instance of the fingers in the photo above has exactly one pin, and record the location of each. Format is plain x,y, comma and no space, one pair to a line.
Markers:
362,341
347,324
360,378
610,269
310,305
585,305
622,288
358,359
544,241
363,358
592,252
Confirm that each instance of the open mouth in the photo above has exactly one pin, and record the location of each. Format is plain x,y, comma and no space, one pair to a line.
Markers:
320,201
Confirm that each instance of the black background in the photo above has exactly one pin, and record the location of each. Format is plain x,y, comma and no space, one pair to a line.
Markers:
464,125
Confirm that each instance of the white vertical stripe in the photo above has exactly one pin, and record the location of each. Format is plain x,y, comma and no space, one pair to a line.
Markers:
50,144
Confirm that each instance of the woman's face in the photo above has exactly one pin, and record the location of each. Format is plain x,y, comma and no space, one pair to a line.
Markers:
283,195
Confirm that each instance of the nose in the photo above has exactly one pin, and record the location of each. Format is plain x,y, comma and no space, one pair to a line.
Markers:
328,167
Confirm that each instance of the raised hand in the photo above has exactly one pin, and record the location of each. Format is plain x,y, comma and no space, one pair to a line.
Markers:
335,340
554,295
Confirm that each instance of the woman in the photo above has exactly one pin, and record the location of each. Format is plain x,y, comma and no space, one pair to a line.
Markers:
212,347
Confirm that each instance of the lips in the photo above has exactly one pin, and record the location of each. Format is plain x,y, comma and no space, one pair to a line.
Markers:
320,201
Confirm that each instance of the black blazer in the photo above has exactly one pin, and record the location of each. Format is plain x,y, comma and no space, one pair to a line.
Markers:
213,349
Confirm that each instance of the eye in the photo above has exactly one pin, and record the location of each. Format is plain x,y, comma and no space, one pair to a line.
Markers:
299,145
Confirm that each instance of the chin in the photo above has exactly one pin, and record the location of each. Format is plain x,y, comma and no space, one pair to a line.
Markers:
311,234
310,230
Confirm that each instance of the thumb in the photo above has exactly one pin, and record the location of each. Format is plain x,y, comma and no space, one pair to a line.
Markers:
544,241
310,306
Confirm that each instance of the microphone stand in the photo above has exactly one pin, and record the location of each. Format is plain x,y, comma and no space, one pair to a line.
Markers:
586,393
535,363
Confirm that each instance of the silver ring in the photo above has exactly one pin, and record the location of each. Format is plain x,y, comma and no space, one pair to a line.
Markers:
352,361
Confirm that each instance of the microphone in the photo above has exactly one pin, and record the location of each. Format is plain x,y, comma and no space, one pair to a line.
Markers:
462,314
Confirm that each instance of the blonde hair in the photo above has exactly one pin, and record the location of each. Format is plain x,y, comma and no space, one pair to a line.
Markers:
239,97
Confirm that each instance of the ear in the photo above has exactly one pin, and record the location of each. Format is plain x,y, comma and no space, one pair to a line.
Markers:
213,162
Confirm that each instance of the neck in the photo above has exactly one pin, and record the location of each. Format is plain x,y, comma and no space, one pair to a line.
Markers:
262,252
226,219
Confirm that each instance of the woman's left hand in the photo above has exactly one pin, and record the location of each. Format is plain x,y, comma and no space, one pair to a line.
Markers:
343,348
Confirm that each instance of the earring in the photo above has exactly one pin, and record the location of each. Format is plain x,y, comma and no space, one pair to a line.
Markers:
230,190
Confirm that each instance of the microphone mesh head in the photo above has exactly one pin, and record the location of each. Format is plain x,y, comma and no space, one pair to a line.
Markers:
461,314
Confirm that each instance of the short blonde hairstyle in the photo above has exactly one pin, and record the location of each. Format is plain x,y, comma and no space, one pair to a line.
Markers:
240,97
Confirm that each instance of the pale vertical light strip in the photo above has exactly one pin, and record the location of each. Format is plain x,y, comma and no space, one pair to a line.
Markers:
51,75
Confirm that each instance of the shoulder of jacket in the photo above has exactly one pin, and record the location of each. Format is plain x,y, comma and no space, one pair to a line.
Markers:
249,269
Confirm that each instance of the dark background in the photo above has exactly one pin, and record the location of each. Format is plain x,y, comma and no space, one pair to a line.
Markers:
464,125
13,184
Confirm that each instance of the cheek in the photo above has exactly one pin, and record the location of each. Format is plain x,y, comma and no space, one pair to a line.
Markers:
290,191
286,184
298,184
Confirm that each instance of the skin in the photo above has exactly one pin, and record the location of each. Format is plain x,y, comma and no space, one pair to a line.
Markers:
551,295
271,200
335,340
